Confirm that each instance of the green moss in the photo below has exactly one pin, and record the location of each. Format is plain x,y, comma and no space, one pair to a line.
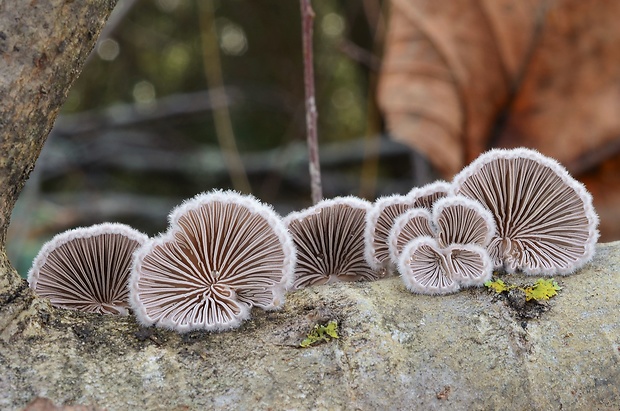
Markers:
320,333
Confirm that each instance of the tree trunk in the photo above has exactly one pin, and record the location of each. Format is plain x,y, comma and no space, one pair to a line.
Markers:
43,46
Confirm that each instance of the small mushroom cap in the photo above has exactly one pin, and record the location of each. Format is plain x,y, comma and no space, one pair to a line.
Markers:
545,221
87,268
470,264
330,243
428,268
425,269
385,210
223,253
460,220
427,195
413,224
379,221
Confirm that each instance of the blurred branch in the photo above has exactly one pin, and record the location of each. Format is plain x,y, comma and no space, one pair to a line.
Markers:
221,115
307,20
134,151
76,208
127,115
65,210
360,55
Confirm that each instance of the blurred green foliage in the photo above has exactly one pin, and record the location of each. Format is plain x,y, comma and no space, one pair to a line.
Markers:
156,51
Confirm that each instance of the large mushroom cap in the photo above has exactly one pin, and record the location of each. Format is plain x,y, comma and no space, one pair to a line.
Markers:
223,253
87,268
330,243
545,220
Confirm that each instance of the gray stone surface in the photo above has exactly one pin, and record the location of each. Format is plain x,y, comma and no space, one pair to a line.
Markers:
396,351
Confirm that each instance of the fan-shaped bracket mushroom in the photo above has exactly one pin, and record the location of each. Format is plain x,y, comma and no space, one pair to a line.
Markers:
379,221
425,268
87,268
222,254
428,268
415,223
546,223
427,195
460,220
329,237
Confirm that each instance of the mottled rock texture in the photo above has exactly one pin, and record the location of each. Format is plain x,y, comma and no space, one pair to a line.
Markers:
471,350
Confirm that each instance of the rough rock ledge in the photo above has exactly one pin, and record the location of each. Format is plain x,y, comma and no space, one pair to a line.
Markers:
472,350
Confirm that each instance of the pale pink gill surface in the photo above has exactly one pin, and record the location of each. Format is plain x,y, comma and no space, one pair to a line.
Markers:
222,254
330,242
87,268
384,212
546,223
438,252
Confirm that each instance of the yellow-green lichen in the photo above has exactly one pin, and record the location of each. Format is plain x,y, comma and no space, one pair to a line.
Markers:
320,333
541,290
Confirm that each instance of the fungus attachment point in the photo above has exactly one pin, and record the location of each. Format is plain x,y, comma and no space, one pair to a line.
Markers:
425,269
329,240
386,210
470,264
223,253
545,220
87,268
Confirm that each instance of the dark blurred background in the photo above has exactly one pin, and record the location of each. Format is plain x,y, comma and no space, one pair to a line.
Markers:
138,133
183,96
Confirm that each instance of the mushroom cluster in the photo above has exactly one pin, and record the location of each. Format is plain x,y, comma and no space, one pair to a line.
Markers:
438,252
87,268
541,219
385,210
225,253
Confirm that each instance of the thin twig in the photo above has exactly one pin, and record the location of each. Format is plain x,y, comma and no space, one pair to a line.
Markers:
307,19
221,114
